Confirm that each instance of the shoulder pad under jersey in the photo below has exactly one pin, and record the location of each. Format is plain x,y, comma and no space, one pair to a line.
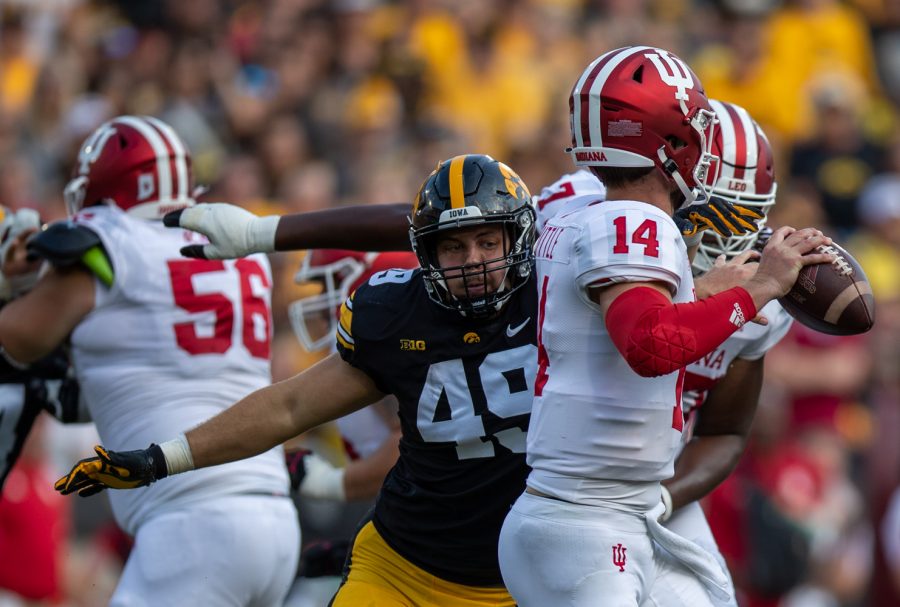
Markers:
66,243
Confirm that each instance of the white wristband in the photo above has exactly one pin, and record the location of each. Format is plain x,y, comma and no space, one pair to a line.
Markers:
322,480
667,502
692,241
178,455
261,233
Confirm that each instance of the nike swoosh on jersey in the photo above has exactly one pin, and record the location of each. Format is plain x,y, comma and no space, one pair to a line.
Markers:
512,331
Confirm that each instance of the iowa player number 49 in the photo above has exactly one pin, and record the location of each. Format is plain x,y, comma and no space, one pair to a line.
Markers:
506,386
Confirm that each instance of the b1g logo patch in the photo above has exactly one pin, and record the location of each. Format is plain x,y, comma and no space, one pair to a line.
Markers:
413,345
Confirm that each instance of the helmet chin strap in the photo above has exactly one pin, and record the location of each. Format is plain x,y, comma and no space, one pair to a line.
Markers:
442,282
671,169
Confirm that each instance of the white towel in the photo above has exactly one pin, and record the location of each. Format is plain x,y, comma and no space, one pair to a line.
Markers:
703,564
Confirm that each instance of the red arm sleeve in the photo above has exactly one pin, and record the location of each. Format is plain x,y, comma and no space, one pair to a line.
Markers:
657,337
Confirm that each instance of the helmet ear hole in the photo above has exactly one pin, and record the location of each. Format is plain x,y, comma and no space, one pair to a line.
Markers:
676,142
123,142
638,75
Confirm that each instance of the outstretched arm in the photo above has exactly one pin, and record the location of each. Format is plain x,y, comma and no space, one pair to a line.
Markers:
367,227
262,420
720,434
235,232
270,416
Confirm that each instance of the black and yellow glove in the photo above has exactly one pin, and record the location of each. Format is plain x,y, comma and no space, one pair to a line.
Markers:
719,215
117,470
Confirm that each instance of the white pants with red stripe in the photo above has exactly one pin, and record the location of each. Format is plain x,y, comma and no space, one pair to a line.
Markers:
562,554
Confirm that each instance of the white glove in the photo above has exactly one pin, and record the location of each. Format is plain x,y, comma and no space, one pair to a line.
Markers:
232,231
322,480
12,224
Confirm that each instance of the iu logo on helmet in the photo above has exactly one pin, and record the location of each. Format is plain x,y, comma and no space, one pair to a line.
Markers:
618,556
93,147
675,73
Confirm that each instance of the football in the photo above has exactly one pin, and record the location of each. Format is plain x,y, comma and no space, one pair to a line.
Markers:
834,298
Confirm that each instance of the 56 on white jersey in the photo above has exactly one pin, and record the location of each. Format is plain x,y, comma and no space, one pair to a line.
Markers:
220,320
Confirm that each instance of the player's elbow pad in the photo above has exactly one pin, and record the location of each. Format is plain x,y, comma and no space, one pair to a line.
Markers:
657,337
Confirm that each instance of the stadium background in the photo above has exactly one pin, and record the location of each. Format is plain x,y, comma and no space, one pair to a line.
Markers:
295,105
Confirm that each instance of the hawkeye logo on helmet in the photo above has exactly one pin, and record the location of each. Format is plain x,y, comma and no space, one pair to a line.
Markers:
451,214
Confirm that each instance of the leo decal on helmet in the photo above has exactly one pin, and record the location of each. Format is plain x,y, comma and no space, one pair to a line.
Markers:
137,163
473,189
746,176
642,106
314,319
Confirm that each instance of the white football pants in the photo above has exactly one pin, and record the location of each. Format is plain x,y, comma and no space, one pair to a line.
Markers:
690,522
562,554
239,551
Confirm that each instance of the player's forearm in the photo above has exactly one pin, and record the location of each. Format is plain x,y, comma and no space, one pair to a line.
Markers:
381,227
705,462
255,424
268,417
642,323
363,477
720,433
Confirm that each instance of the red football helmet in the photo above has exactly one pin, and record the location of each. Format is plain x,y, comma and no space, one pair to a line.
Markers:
746,176
137,163
641,106
315,319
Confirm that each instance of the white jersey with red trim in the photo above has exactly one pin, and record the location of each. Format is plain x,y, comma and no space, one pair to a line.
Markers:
363,432
571,192
171,343
750,342
598,430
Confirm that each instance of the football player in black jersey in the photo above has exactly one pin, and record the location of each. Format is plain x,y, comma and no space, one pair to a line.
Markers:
45,385
454,341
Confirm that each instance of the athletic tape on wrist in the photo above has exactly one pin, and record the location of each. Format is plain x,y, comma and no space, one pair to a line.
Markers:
178,455
694,240
263,233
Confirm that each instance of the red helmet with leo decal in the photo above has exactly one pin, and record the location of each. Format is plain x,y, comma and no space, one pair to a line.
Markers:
641,106
745,176
137,163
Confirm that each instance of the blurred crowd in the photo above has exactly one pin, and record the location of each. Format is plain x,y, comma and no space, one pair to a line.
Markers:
297,105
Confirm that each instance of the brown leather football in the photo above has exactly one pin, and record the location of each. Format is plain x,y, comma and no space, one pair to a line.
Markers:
834,298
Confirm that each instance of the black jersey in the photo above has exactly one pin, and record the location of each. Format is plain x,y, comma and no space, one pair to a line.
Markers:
465,389
24,393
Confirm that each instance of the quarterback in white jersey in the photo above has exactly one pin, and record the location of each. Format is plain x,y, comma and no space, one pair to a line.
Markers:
626,415
743,148
160,343
618,323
